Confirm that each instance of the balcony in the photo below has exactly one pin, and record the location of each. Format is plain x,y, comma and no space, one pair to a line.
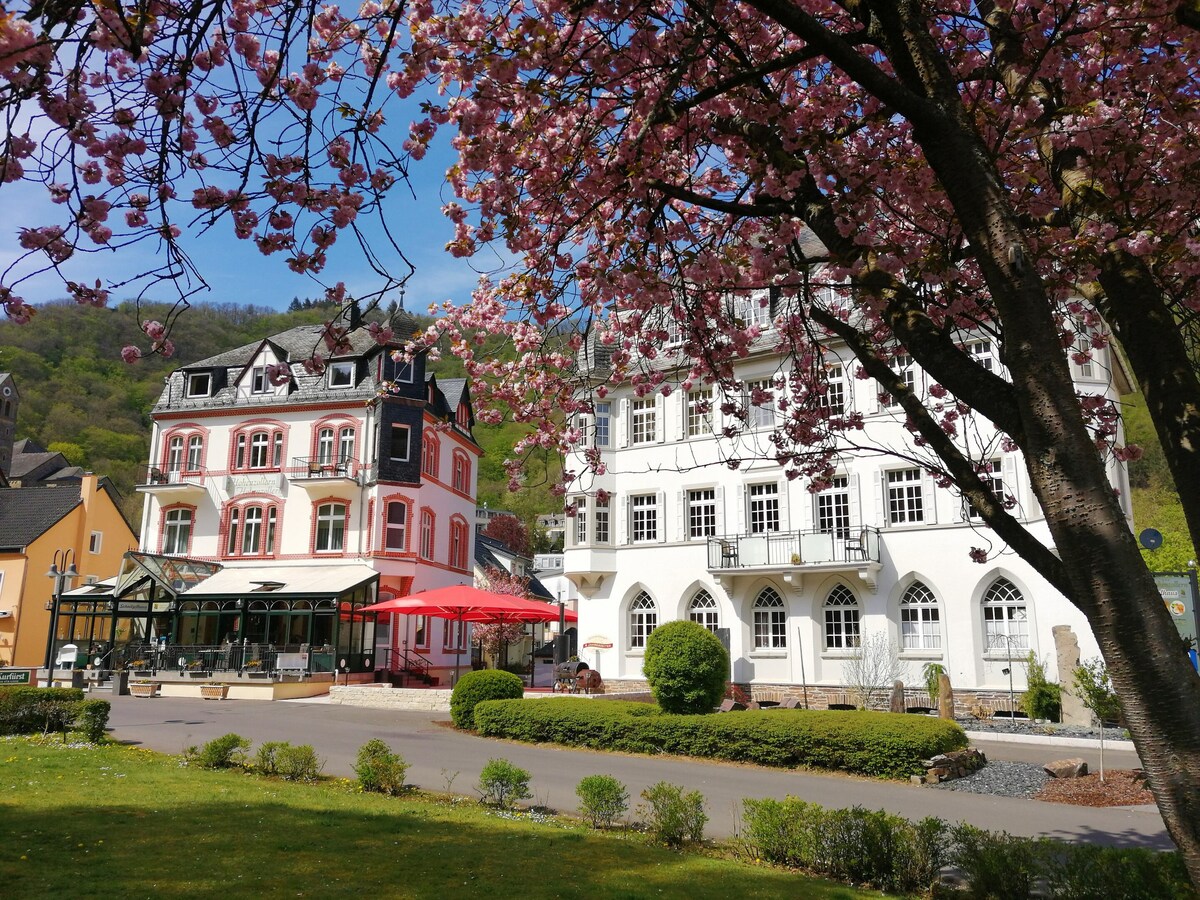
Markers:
175,484
796,552
322,475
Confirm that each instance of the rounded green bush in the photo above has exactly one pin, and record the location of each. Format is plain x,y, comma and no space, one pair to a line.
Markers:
687,667
475,687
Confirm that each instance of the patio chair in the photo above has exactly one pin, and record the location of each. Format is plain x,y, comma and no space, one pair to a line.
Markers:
857,545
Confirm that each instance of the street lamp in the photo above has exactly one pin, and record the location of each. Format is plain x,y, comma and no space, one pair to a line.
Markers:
61,569
560,639
1008,641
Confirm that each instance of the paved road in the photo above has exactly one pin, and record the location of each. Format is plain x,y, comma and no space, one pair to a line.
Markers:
444,759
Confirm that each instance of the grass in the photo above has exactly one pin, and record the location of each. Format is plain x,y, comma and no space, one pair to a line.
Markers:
113,821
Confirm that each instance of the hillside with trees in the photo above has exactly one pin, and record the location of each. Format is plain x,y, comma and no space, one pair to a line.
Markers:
79,398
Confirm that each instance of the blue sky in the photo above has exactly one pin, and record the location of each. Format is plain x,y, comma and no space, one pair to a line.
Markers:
237,273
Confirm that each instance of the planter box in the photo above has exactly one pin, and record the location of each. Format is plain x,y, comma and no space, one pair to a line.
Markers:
199,673
144,690
256,673
214,691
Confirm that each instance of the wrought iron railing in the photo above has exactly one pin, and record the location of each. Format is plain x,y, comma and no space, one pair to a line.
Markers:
323,467
246,658
157,476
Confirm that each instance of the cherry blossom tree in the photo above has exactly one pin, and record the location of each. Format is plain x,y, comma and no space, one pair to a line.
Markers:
495,637
896,176
511,532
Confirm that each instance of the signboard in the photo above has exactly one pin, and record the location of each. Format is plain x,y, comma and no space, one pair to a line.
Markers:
16,676
599,642
1178,590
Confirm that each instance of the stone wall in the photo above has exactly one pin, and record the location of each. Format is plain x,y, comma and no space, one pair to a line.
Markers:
384,696
824,696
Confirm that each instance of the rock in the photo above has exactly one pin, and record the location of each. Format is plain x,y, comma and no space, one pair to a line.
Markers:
945,697
1066,647
731,706
916,779
1074,767
897,704
791,703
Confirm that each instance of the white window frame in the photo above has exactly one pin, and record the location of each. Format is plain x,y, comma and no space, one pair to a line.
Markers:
603,423
406,430
920,619
993,479
699,413
643,619
834,398
904,496
195,452
259,383
701,513
643,518
770,621
833,508
643,420
581,521
330,533
603,522
340,375
763,508
199,384
843,620
761,415
177,531
1005,619
95,541
703,610
905,367
392,529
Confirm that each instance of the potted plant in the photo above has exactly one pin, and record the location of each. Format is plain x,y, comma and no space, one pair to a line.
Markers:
214,691
140,666
143,688
196,669
254,669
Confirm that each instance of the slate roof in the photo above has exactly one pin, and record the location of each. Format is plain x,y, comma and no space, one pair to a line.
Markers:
40,466
29,512
295,345
486,558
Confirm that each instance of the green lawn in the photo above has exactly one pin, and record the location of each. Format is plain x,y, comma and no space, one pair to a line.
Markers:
118,822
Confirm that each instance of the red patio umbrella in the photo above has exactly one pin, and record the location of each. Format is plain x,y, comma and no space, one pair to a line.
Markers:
464,603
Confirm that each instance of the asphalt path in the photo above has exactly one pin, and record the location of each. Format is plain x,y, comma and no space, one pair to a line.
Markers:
444,759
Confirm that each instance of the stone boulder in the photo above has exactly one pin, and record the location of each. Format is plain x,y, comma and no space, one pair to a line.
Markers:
731,706
1066,768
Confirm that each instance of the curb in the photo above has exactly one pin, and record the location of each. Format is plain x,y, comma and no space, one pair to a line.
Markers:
1001,737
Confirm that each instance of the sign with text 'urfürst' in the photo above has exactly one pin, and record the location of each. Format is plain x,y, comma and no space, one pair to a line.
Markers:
10,677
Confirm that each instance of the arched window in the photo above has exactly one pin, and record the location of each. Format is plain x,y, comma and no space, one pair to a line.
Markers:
258,447
461,478
643,619
429,455
177,531
325,446
841,619
458,543
920,619
175,453
426,534
703,610
331,528
1005,619
195,452
345,445
250,529
395,526
770,621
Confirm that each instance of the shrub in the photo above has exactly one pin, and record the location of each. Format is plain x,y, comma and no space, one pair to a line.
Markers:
92,719
224,752
298,763
1084,871
687,667
501,783
475,687
1094,688
1042,699
379,770
868,743
932,673
24,710
1007,865
672,817
603,799
267,760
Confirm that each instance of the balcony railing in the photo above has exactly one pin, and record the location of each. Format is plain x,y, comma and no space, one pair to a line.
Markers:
156,477
784,549
323,467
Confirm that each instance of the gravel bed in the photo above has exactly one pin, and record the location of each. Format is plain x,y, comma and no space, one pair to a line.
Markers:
1000,777
1024,726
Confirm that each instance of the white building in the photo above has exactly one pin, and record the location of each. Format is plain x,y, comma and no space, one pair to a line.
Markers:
316,475
798,578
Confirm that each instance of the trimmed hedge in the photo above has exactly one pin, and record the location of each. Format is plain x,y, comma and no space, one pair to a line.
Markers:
892,853
870,743
24,710
474,687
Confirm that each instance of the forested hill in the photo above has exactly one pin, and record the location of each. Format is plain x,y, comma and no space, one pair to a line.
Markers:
79,398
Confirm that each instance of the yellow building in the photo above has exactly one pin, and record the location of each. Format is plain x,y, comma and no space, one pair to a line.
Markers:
80,521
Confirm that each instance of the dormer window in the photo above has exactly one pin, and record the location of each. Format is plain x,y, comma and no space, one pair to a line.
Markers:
259,384
341,374
199,384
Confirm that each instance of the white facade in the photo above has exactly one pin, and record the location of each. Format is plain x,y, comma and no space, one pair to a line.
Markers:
672,532
318,470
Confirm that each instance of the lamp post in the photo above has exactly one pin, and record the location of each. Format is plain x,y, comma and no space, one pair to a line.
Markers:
61,569
1008,644
560,639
